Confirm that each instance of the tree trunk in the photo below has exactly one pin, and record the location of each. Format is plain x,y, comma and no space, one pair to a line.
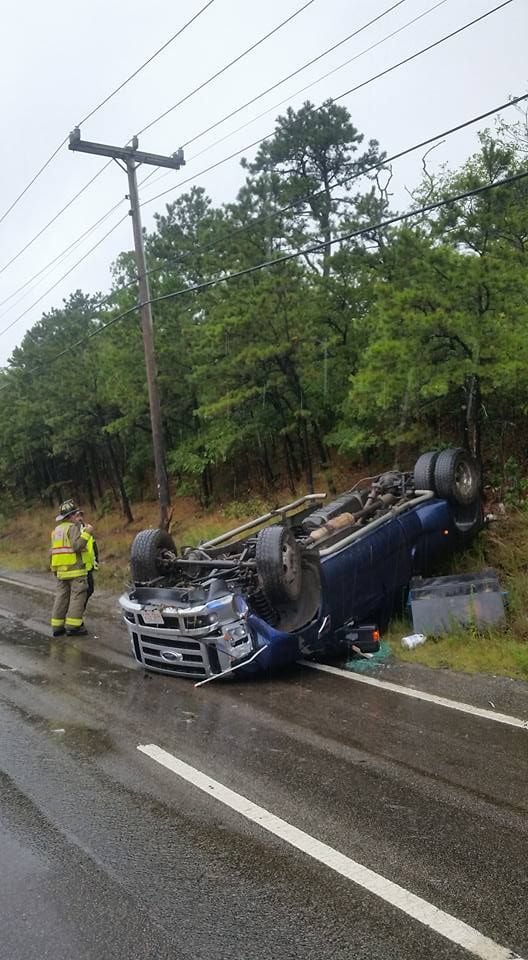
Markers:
264,465
48,479
289,468
321,449
118,479
95,471
89,485
206,486
296,470
307,457
472,424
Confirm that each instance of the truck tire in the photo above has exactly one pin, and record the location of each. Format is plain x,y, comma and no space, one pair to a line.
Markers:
424,472
279,565
147,551
457,476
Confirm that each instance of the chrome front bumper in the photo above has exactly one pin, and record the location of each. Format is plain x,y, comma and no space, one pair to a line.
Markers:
189,642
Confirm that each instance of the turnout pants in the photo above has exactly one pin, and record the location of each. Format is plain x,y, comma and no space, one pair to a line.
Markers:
69,604
90,586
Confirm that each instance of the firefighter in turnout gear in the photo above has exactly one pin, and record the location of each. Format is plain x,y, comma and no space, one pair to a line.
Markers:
72,561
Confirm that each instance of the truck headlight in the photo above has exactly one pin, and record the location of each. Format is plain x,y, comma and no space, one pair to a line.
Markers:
240,605
238,640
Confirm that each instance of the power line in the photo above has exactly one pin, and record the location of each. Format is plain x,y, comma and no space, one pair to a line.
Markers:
313,248
228,116
101,104
364,83
54,218
358,86
312,83
145,64
76,264
359,30
302,199
430,46
297,92
296,72
32,181
60,256
223,69
345,182
248,103
69,247
187,97
213,166
63,252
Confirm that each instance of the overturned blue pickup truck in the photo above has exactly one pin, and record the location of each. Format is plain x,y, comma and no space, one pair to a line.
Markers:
299,580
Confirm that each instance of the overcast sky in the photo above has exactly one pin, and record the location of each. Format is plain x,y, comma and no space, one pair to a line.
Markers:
61,58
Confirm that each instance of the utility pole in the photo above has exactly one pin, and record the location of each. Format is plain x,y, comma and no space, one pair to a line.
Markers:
132,158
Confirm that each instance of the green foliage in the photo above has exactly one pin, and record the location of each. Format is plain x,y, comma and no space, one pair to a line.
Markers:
106,505
449,319
514,484
241,510
407,338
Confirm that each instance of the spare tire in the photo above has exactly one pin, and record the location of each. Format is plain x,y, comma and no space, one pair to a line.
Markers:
457,476
148,550
424,472
279,565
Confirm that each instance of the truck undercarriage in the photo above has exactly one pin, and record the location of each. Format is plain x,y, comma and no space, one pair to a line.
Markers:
209,610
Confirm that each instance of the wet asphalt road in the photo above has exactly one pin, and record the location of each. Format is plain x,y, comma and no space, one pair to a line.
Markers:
106,854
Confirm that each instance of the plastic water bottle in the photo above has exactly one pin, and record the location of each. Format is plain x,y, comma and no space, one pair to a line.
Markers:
413,640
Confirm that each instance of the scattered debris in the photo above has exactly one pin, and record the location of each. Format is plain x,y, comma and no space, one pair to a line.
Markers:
360,653
364,665
413,640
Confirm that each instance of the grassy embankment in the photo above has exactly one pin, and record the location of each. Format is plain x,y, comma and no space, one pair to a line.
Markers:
503,651
503,545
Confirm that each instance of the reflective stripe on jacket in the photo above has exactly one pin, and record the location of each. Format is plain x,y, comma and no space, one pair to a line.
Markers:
70,553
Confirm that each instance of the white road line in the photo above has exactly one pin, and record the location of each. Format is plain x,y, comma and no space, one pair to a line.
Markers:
419,695
27,586
425,913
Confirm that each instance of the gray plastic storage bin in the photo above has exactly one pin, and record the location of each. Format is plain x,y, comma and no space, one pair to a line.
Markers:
440,603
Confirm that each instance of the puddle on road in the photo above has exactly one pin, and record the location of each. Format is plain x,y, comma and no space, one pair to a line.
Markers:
78,662
83,740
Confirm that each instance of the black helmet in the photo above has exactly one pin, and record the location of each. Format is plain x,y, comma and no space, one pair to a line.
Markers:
66,509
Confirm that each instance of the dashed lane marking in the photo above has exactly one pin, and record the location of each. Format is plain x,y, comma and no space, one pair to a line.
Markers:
419,695
425,913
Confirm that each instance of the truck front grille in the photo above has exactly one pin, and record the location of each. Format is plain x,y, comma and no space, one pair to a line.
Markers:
198,659
182,669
